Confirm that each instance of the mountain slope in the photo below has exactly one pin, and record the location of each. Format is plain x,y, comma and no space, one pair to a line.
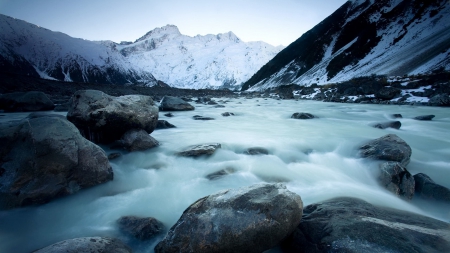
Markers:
29,49
210,61
364,37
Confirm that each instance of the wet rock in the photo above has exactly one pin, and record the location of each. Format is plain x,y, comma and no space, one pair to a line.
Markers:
227,114
87,245
388,148
424,117
248,219
103,119
140,228
114,155
391,124
302,115
256,151
163,124
353,225
219,106
212,102
220,173
168,114
397,115
388,93
198,117
426,188
44,157
136,140
199,150
397,179
25,102
440,100
169,103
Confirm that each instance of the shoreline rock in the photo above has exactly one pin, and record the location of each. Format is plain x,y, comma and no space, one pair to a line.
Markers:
30,101
87,244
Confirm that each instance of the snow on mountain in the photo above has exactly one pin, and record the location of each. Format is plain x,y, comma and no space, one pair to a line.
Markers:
54,55
364,37
210,61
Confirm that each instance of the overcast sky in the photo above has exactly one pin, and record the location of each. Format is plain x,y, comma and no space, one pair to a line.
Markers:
273,21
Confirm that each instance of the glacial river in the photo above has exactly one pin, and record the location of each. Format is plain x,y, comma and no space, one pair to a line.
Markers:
316,159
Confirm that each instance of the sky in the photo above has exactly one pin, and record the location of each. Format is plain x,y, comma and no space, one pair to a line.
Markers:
277,22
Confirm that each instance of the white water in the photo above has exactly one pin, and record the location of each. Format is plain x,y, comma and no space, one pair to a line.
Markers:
318,159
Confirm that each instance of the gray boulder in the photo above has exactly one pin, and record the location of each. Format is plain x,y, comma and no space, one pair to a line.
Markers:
103,119
391,124
428,189
387,93
200,150
388,148
140,228
136,140
440,100
87,245
424,117
355,226
248,219
25,102
397,179
169,103
302,115
45,157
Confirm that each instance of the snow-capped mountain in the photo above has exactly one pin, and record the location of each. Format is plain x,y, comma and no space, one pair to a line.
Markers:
55,55
210,61
361,38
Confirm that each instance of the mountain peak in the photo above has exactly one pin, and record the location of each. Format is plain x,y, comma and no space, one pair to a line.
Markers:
157,32
228,36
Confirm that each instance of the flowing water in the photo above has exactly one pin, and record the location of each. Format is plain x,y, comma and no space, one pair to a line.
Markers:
316,159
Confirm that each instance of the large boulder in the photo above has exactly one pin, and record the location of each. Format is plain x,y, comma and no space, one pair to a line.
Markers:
87,245
248,219
169,103
140,228
44,157
102,118
353,225
136,140
25,102
428,189
388,148
397,179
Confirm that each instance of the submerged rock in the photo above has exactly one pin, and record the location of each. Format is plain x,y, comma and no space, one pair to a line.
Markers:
168,114
424,117
87,245
44,157
199,150
163,124
248,219
397,115
31,101
140,228
388,148
114,155
391,124
198,117
227,114
302,115
136,140
256,151
103,119
169,103
220,173
428,189
397,179
353,225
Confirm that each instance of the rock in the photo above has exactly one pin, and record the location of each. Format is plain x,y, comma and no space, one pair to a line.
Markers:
25,102
87,245
212,102
440,100
220,173
169,103
44,157
198,117
168,114
388,148
136,140
227,114
387,93
256,151
353,225
103,119
140,228
397,115
424,117
397,179
302,115
163,124
428,189
63,107
114,155
199,150
391,124
248,219
219,106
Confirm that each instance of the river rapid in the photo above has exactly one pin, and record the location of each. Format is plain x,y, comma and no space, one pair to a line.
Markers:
316,158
